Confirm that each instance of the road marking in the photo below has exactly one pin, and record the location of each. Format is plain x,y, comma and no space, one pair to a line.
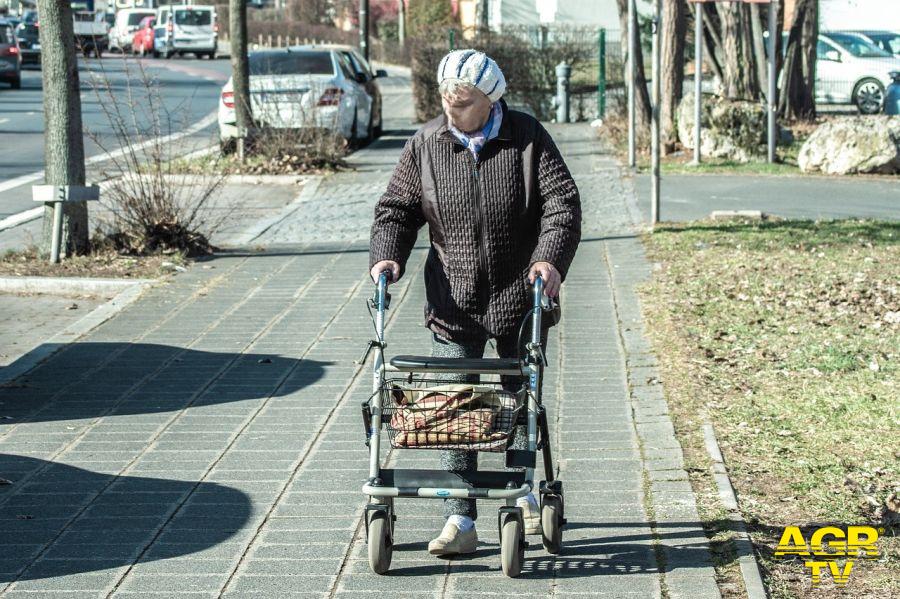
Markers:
25,216
3,121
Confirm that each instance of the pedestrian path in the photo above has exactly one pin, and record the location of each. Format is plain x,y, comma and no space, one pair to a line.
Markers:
207,442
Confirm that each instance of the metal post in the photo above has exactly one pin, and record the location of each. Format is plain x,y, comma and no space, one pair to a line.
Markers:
601,78
452,36
401,22
698,76
773,91
56,232
630,77
563,74
654,117
364,28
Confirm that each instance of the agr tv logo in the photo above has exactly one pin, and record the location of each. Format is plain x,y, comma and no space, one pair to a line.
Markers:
827,545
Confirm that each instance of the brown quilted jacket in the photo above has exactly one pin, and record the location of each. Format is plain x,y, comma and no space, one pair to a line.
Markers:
488,222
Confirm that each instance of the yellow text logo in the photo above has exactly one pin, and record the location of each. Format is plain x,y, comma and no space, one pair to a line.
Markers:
827,545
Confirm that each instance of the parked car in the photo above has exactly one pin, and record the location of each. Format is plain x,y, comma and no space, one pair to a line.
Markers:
91,32
307,87
127,23
852,70
29,39
142,42
889,41
186,29
10,56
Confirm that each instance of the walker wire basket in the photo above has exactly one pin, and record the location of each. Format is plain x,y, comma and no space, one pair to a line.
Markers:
432,414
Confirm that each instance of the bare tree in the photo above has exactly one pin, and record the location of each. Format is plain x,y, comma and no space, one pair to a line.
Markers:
674,30
63,138
240,71
798,89
642,94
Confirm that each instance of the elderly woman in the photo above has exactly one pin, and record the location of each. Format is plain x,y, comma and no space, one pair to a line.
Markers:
501,208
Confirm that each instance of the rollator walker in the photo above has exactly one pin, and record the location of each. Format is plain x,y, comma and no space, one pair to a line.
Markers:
415,409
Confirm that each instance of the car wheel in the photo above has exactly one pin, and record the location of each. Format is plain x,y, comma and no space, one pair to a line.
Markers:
16,83
155,53
869,96
379,128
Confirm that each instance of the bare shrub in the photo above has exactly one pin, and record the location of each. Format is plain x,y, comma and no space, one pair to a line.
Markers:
150,206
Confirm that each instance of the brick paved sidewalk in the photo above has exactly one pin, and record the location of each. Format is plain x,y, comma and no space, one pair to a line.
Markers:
207,441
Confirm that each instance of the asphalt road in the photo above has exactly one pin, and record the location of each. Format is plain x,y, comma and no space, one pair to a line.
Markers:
188,90
690,197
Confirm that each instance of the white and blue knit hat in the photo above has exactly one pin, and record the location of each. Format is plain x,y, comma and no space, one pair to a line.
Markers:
476,68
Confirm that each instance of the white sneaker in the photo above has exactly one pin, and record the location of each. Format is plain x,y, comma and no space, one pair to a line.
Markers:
452,541
531,514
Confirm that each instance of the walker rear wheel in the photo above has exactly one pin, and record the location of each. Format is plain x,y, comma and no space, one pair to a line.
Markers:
381,545
551,524
512,545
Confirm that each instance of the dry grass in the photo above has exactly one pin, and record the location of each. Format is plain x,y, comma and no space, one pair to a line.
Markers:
786,335
99,262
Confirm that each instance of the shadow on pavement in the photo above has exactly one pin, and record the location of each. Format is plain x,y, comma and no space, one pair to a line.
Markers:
56,523
90,380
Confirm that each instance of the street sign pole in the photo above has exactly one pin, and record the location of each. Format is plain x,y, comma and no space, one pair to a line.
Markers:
698,76
654,120
632,71
364,28
773,88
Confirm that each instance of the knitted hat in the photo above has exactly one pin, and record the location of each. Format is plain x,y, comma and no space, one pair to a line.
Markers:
476,68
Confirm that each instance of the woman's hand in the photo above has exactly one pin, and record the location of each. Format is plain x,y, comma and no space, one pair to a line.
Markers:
386,265
551,276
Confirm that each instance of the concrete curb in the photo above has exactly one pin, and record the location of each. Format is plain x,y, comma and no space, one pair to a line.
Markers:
309,191
750,572
71,333
68,285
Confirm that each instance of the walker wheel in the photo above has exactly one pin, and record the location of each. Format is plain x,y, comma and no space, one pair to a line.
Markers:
551,523
381,544
512,545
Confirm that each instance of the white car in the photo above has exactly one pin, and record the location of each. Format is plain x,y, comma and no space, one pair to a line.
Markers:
127,21
300,87
185,28
852,70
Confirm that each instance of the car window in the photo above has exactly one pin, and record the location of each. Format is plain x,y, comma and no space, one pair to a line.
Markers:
136,18
193,18
348,71
291,63
163,17
892,45
362,64
354,64
6,36
31,17
822,49
858,46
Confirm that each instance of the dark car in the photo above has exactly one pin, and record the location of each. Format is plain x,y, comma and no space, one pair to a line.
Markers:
10,57
29,39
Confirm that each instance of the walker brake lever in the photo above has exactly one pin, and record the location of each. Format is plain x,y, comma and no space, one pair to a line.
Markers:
371,345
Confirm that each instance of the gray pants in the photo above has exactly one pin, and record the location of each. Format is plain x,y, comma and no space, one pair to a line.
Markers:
462,460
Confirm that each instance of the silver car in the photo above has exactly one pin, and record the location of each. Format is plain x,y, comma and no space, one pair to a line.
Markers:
852,70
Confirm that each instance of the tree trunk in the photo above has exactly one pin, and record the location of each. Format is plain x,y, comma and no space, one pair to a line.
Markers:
739,67
674,31
642,94
758,45
798,99
712,43
63,135
240,71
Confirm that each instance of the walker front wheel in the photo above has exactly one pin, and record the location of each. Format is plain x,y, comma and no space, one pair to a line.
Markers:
512,545
380,543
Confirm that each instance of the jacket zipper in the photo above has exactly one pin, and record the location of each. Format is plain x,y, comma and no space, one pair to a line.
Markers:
481,249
